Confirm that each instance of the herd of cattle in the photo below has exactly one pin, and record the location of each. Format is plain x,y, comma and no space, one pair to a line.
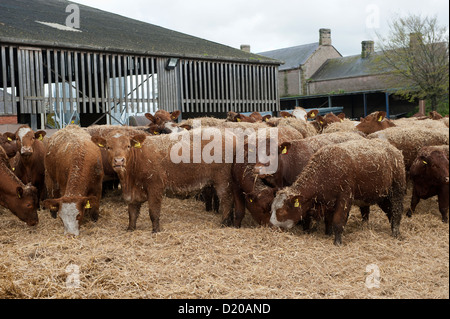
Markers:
326,164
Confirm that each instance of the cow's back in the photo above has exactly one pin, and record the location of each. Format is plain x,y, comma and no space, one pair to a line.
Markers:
71,157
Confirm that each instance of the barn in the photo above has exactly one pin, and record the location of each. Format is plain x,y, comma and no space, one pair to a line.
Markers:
63,63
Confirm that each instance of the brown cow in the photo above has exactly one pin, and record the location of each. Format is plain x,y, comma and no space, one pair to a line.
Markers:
429,173
295,155
9,144
374,122
163,122
361,172
21,200
29,164
249,191
146,170
411,140
73,177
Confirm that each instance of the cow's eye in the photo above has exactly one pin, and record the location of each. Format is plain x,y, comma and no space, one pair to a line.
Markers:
129,146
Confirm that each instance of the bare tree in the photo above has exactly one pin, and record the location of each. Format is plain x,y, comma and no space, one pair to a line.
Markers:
416,53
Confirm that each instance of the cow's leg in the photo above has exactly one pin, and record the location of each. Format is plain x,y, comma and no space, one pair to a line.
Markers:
443,203
239,206
393,207
328,222
415,199
154,209
365,211
133,214
225,203
341,211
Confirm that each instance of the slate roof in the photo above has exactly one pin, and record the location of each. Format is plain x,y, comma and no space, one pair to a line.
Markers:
350,66
293,57
105,31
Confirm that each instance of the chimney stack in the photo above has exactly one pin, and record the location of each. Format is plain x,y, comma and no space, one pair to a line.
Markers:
325,37
367,48
245,48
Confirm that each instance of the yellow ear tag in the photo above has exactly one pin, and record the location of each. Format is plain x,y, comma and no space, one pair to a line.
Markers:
18,195
313,114
88,205
250,200
284,152
101,145
297,204
13,169
40,137
9,139
380,119
321,122
238,119
267,120
155,133
342,120
425,162
138,145
53,207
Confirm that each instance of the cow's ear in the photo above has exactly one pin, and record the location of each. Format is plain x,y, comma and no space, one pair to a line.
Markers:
40,135
19,192
320,120
380,116
295,201
175,114
150,117
341,116
312,114
251,197
186,127
283,149
138,140
52,205
285,114
10,136
99,141
266,118
238,118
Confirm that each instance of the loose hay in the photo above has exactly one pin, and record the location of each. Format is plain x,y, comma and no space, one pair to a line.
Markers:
193,257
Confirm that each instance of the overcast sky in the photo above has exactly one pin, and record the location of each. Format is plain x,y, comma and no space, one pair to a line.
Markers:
274,24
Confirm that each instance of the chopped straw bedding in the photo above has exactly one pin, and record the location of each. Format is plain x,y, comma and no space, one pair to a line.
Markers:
193,257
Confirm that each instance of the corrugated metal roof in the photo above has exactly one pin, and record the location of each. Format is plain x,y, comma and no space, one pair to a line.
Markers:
351,66
292,57
42,22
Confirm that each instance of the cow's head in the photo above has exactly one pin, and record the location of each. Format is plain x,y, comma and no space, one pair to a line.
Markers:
163,122
259,204
26,138
287,210
23,203
119,148
9,144
374,122
434,165
71,210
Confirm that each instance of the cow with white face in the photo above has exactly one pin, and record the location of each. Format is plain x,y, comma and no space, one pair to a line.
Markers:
74,174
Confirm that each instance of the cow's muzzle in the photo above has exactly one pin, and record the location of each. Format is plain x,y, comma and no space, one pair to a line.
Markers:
119,163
